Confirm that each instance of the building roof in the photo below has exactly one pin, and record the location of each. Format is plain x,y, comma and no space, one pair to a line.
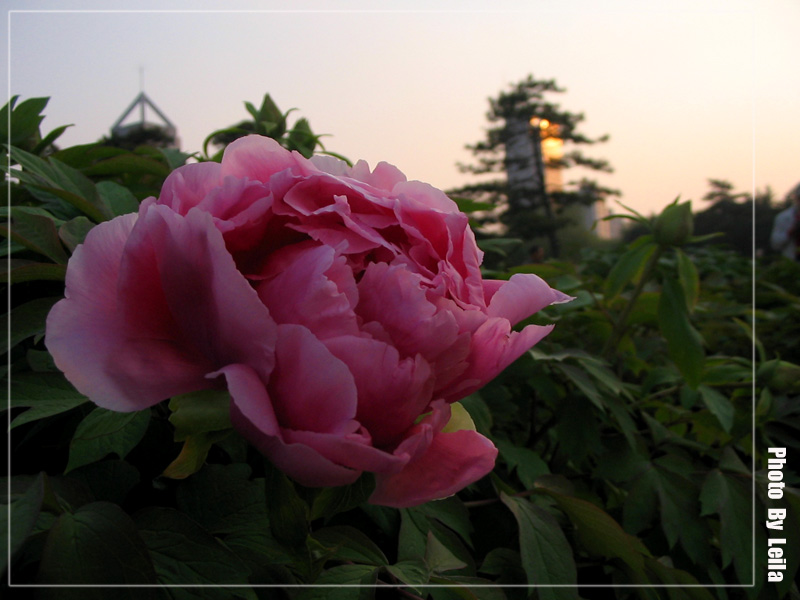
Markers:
143,102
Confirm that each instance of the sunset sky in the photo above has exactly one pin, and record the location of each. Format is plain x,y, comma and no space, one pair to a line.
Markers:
686,90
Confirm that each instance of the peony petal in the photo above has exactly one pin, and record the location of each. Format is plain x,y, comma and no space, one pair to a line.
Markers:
233,197
452,461
257,157
179,283
395,298
307,284
141,320
352,450
494,346
322,208
187,186
387,385
316,389
88,336
252,416
384,177
428,196
521,296
490,287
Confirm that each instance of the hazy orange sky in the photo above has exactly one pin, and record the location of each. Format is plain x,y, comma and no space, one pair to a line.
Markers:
686,90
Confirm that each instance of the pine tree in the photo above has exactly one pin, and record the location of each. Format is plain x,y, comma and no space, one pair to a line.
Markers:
523,118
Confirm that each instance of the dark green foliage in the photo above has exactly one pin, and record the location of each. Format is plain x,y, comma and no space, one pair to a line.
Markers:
627,438
536,214
733,218
268,120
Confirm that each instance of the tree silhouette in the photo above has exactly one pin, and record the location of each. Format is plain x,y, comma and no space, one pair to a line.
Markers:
732,214
522,116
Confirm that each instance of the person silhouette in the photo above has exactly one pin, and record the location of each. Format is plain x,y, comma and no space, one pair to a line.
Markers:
785,236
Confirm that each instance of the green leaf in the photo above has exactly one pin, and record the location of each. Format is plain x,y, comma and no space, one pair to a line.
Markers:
24,512
174,157
200,412
719,406
200,419
103,432
638,217
288,513
49,139
582,381
450,512
499,246
108,480
46,394
599,533
622,414
344,582
413,536
27,320
411,572
269,113
224,500
689,279
546,554
127,164
578,427
620,462
468,205
688,585
349,544
302,139
641,503
74,231
10,248
479,412
228,130
193,454
252,110
683,342
119,199
63,181
18,271
604,375
529,464
465,588
98,544
439,558
416,527
40,361
185,554
730,498
730,462
678,505
37,232
503,562
628,268
329,502
25,119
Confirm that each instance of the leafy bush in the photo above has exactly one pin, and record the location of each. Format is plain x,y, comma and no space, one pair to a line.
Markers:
626,437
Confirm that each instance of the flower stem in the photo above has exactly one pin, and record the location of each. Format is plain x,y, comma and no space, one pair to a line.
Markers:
621,326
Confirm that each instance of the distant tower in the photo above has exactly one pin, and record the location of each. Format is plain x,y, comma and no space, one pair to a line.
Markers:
531,166
523,167
141,131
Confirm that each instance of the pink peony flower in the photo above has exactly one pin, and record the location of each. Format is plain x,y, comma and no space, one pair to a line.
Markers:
342,308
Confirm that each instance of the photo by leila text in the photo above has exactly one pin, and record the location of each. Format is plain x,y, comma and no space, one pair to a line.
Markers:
776,560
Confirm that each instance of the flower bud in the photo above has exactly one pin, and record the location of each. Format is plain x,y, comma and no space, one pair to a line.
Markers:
780,375
674,226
